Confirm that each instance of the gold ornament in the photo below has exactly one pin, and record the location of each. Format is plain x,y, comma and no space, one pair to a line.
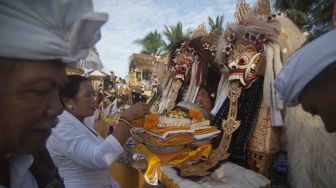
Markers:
263,8
242,10
229,126
201,31
177,83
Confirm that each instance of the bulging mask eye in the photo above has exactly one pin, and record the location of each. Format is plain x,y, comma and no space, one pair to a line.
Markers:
243,60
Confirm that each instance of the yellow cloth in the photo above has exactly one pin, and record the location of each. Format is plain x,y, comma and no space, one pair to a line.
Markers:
174,139
155,160
161,131
209,129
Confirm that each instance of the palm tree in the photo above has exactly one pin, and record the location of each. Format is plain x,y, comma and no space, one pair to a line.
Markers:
173,34
152,43
216,24
296,10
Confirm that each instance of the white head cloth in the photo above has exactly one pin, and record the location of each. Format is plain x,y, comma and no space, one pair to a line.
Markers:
48,29
305,65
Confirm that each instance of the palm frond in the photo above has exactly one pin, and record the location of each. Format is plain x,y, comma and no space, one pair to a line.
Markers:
297,16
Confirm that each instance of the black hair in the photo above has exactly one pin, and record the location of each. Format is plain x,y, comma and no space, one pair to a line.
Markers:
71,87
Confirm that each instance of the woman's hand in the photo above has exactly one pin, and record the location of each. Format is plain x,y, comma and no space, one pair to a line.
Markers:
135,111
122,131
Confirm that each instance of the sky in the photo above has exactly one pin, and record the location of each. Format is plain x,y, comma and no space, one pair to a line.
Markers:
133,19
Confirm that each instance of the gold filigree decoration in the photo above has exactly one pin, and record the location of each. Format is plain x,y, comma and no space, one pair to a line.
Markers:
177,83
262,8
213,37
243,48
229,126
242,10
209,40
201,31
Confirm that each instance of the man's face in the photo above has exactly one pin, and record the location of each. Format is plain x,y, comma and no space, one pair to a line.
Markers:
30,103
319,98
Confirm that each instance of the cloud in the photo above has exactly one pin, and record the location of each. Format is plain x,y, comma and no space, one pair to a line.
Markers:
133,19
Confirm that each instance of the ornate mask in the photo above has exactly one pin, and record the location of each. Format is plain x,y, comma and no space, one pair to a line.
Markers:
243,64
185,56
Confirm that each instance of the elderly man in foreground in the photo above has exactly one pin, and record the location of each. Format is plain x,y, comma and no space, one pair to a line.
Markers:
309,78
38,39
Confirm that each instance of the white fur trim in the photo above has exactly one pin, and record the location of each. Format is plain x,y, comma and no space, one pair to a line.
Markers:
228,175
311,150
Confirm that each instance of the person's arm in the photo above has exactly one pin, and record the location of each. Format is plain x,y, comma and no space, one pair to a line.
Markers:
67,140
72,143
122,130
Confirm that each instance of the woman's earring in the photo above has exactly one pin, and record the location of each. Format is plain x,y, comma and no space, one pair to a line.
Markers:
70,107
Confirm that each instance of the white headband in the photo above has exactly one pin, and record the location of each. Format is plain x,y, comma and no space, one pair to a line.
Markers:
48,29
305,65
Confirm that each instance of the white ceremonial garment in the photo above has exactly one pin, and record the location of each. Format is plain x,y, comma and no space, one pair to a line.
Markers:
19,173
82,156
49,30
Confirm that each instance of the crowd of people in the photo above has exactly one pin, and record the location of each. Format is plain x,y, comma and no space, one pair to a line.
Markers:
112,94
32,74
44,141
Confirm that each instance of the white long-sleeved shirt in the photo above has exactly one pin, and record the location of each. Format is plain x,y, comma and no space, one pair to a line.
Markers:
19,173
82,156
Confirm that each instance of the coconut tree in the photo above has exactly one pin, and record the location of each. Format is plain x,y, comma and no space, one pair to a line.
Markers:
173,34
296,10
312,15
151,44
216,24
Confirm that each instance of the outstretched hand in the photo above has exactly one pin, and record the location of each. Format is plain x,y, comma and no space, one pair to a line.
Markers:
135,111
122,131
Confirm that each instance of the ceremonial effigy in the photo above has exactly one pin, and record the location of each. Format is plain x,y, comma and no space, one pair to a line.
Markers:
189,73
249,53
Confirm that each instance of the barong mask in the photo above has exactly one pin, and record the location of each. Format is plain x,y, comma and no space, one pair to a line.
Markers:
244,64
255,46
242,57
185,56
256,31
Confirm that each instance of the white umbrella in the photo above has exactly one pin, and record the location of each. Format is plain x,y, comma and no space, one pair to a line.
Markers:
91,62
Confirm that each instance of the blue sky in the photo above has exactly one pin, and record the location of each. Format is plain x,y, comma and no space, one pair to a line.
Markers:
133,19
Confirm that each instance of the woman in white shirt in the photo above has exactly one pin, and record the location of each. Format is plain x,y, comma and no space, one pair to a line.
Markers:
82,156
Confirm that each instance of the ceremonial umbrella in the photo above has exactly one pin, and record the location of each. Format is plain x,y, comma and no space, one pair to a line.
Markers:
91,62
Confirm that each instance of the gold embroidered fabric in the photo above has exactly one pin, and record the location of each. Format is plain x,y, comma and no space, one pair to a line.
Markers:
264,143
265,138
177,83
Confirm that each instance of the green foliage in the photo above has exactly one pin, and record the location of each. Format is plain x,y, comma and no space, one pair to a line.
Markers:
312,15
152,43
173,34
216,24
